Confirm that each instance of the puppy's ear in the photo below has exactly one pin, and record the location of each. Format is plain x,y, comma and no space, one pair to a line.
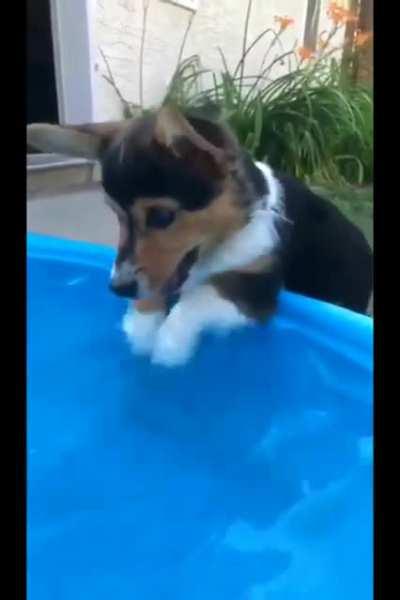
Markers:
85,141
176,134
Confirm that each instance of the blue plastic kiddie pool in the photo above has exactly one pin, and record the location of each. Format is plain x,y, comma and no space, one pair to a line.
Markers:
246,475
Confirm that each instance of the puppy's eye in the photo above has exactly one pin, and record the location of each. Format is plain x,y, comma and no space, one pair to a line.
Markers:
160,218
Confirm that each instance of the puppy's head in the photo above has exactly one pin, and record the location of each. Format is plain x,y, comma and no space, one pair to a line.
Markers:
175,184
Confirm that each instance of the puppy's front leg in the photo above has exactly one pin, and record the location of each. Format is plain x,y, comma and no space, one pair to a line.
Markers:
201,308
142,322
227,301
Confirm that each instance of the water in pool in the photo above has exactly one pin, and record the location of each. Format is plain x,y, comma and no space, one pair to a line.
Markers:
246,475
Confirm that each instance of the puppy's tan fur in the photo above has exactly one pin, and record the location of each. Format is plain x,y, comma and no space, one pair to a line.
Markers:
158,252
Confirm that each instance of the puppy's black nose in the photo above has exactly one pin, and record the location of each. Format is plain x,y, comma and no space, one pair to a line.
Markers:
123,280
129,290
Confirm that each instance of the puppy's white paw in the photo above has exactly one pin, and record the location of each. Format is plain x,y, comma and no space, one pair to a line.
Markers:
202,308
174,345
141,329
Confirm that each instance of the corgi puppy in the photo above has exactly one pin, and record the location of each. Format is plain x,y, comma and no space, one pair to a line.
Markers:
208,237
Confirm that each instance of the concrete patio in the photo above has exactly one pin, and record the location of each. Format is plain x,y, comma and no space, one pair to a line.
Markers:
77,213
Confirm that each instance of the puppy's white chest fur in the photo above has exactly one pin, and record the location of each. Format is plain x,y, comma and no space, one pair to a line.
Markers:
257,238
171,341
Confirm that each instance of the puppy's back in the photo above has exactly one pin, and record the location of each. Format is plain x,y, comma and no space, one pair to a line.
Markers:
326,256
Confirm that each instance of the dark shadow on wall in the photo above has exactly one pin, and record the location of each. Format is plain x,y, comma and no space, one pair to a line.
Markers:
41,80
312,24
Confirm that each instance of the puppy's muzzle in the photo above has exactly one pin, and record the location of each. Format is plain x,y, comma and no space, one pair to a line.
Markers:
123,280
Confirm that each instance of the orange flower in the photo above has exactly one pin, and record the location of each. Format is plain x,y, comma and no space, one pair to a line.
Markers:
339,15
305,53
362,38
284,22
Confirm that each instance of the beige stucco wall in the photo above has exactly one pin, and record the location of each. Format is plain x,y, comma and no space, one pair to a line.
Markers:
118,30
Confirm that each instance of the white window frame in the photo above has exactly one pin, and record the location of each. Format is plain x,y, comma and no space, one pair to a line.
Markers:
72,23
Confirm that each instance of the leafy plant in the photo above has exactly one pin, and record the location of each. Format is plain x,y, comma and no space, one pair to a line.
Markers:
312,120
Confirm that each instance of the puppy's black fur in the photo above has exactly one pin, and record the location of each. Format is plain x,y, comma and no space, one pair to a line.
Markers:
136,166
323,254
